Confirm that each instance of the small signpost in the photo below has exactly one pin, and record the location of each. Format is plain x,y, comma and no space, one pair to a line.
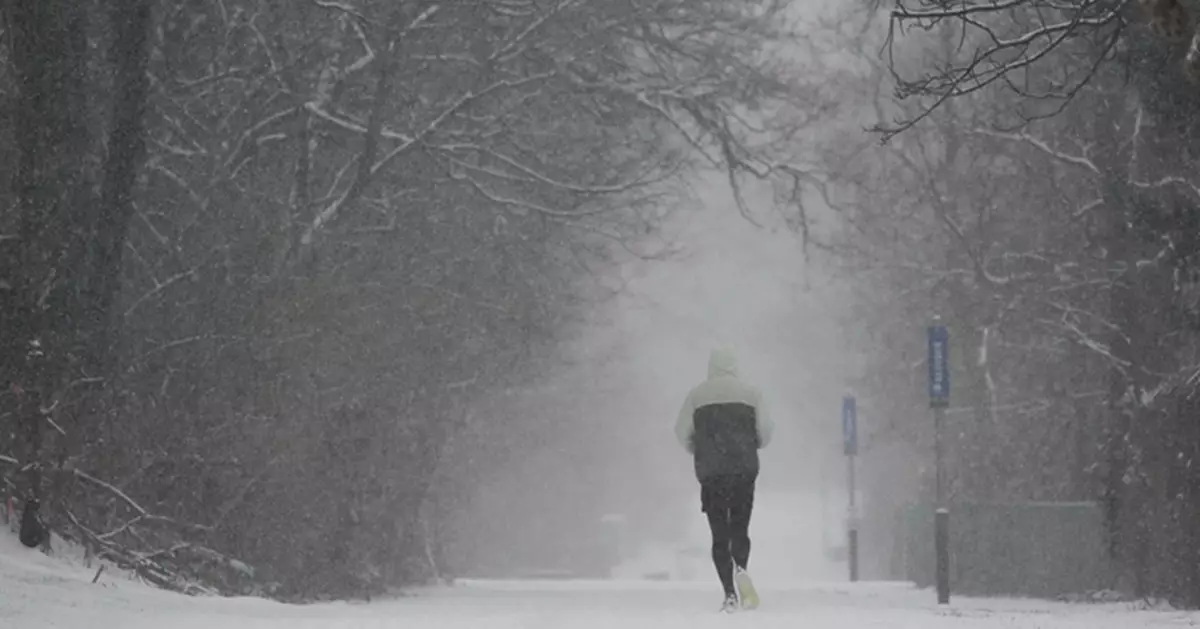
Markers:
850,425
939,374
850,449
939,399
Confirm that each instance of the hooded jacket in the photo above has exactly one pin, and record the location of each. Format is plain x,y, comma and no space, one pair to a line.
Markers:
723,422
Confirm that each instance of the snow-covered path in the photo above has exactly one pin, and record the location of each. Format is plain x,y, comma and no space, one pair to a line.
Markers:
36,591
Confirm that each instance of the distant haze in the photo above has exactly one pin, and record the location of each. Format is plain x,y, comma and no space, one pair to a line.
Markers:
613,450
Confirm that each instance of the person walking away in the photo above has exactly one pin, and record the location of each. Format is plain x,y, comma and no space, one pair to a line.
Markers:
723,424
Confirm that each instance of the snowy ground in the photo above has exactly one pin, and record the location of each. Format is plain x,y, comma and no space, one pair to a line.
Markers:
43,593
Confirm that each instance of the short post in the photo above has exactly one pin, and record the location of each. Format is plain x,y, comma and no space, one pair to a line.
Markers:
939,399
941,525
850,448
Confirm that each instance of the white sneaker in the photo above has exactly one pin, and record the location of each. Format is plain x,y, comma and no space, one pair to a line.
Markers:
730,605
745,588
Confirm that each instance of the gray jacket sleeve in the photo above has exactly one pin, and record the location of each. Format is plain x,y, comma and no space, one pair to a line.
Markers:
685,424
763,422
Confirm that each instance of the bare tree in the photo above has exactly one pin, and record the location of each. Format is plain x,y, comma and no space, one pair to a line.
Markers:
1080,246
353,221
1043,51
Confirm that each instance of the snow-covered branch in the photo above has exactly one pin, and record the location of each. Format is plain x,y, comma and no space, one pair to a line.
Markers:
114,489
319,111
522,206
534,175
142,512
1167,181
1086,340
1044,147
160,286
940,11
333,208
343,7
993,59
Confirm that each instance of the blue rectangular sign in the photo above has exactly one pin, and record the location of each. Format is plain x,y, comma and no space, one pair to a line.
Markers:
849,426
939,370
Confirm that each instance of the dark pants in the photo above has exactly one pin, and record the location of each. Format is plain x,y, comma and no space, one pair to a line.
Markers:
728,502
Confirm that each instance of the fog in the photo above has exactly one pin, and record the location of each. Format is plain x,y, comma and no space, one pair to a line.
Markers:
607,447
728,283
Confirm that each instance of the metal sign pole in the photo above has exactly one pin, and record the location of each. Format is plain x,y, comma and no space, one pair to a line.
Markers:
939,398
850,448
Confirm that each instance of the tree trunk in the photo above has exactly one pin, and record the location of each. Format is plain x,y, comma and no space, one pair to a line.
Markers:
66,268
39,337
130,20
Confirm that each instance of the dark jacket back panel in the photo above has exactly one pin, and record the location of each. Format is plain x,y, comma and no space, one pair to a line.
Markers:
726,440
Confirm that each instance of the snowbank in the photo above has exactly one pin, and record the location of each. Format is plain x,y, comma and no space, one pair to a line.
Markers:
41,592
